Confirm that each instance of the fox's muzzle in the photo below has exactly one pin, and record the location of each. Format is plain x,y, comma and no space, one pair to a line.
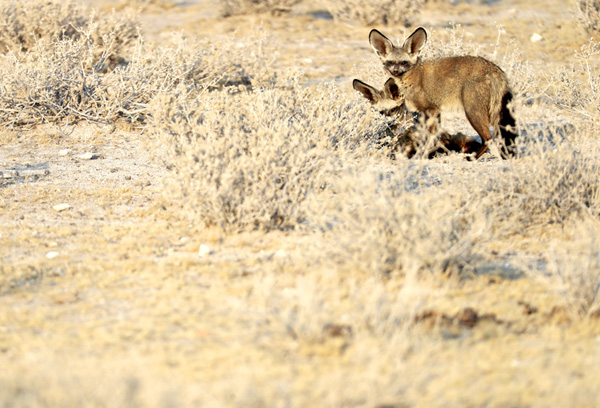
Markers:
397,68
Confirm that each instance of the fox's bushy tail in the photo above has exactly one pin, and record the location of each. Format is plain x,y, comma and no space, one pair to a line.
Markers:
508,128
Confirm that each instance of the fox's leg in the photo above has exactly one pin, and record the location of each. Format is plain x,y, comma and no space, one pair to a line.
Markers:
477,114
482,128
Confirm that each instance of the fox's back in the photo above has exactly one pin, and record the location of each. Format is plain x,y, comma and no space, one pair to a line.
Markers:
439,83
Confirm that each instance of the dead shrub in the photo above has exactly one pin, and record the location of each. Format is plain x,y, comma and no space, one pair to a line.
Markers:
589,15
250,160
576,87
24,24
393,221
368,13
240,7
555,183
54,83
573,269
66,79
150,4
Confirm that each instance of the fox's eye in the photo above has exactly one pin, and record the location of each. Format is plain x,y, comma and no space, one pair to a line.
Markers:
405,64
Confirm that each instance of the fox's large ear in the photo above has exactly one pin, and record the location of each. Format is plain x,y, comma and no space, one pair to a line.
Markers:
380,43
416,41
367,91
391,89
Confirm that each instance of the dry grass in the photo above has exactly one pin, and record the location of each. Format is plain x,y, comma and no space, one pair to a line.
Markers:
67,81
589,12
573,270
386,12
241,7
251,242
25,25
150,5
274,148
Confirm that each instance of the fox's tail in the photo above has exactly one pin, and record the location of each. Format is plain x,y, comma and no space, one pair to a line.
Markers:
507,126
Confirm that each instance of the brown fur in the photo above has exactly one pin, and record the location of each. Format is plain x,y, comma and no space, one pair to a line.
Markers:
388,102
471,84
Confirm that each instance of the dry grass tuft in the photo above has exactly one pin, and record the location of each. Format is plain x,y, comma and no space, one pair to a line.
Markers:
589,15
25,24
250,160
555,186
240,7
576,87
572,269
386,12
150,4
66,80
400,221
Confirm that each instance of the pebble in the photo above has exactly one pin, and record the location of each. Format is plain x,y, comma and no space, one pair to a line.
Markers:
535,37
88,156
62,207
282,253
64,152
204,250
52,254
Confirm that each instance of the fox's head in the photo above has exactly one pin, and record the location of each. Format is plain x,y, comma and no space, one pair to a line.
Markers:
398,60
388,102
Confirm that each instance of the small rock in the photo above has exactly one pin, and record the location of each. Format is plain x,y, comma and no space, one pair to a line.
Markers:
535,37
62,207
467,317
282,253
64,152
88,156
204,251
337,330
52,254
527,308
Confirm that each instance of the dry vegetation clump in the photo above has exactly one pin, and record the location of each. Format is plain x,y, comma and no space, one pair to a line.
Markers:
387,12
250,160
52,84
150,4
240,7
67,80
573,269
202,65
589,15
25,24
576,87
555,186
402,221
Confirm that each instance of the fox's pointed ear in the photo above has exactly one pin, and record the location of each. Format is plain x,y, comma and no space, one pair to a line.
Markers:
367,91
391,89
380,43
416,41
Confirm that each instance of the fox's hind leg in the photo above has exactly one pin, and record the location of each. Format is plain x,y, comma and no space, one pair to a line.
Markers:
481,124
477,114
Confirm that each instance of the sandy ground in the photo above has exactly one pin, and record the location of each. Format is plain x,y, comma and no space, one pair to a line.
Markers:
103,291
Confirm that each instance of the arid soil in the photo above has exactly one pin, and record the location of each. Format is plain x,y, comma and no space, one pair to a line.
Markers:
109,299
